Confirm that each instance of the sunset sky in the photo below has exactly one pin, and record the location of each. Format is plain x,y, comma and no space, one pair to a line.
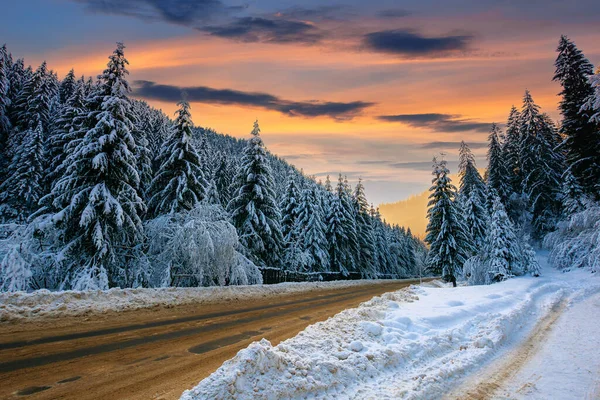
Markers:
366,88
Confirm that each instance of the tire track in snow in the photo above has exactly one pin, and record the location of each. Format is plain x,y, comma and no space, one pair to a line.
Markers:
494,376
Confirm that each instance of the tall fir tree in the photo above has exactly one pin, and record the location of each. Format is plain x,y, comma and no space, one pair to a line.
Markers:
496,173
510,152
502,252
253,208
5,125
446,234
582,136
364,232
180,184
23,188
592,103
542,166
67,87
289,210
101,222
341,236
472,197
310,231
67,132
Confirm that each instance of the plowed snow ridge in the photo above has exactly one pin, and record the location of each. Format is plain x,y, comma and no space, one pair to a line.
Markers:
414,343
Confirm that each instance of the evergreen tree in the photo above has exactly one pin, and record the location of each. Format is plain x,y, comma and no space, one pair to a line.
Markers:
573,197
101,222
67,87
592,103
290,208
472,197
311,229
364,233
23,189
502,252
510,152
33,101
446,235
253,208
341,234
67,132
582,143
180,184
496,173
542,166
5,102
224,175
143,154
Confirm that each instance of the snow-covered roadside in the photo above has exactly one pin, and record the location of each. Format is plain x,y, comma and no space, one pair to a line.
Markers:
568,364
415,343
44,303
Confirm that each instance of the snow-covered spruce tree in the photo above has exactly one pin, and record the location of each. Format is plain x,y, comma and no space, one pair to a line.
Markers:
582,136
502,253
141,133
310,227
67,131
67,87
5,125
101,223
510,152
289,210
472,197
341,237
364,232
542,166
496,173
253,208
446,234
224,175
22,190
17,77
592,103
573,198
180,183
33,102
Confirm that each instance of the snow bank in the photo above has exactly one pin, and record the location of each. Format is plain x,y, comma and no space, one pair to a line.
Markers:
414,343
44,303
567,365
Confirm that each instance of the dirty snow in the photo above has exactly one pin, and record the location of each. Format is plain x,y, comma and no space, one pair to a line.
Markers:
414,343
44,303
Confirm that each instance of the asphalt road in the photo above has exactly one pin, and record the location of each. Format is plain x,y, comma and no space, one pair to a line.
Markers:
155,353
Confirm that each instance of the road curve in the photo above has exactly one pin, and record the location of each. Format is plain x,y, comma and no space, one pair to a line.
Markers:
156,353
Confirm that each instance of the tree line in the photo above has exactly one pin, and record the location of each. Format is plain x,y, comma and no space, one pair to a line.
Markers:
540,174
101,190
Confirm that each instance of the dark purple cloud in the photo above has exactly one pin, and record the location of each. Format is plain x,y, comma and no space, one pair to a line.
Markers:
202,94
267,30
409,43
438,122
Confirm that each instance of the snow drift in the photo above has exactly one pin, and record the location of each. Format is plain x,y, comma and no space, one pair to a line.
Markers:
413,343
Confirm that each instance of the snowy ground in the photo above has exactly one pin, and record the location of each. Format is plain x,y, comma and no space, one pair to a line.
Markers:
43,303
420,343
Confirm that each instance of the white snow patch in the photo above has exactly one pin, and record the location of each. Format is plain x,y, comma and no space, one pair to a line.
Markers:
414,343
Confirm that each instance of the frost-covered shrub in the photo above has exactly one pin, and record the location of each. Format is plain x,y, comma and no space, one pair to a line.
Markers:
27,257
576,241
475,271
197,248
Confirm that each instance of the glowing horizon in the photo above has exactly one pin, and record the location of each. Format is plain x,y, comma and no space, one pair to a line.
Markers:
456,70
